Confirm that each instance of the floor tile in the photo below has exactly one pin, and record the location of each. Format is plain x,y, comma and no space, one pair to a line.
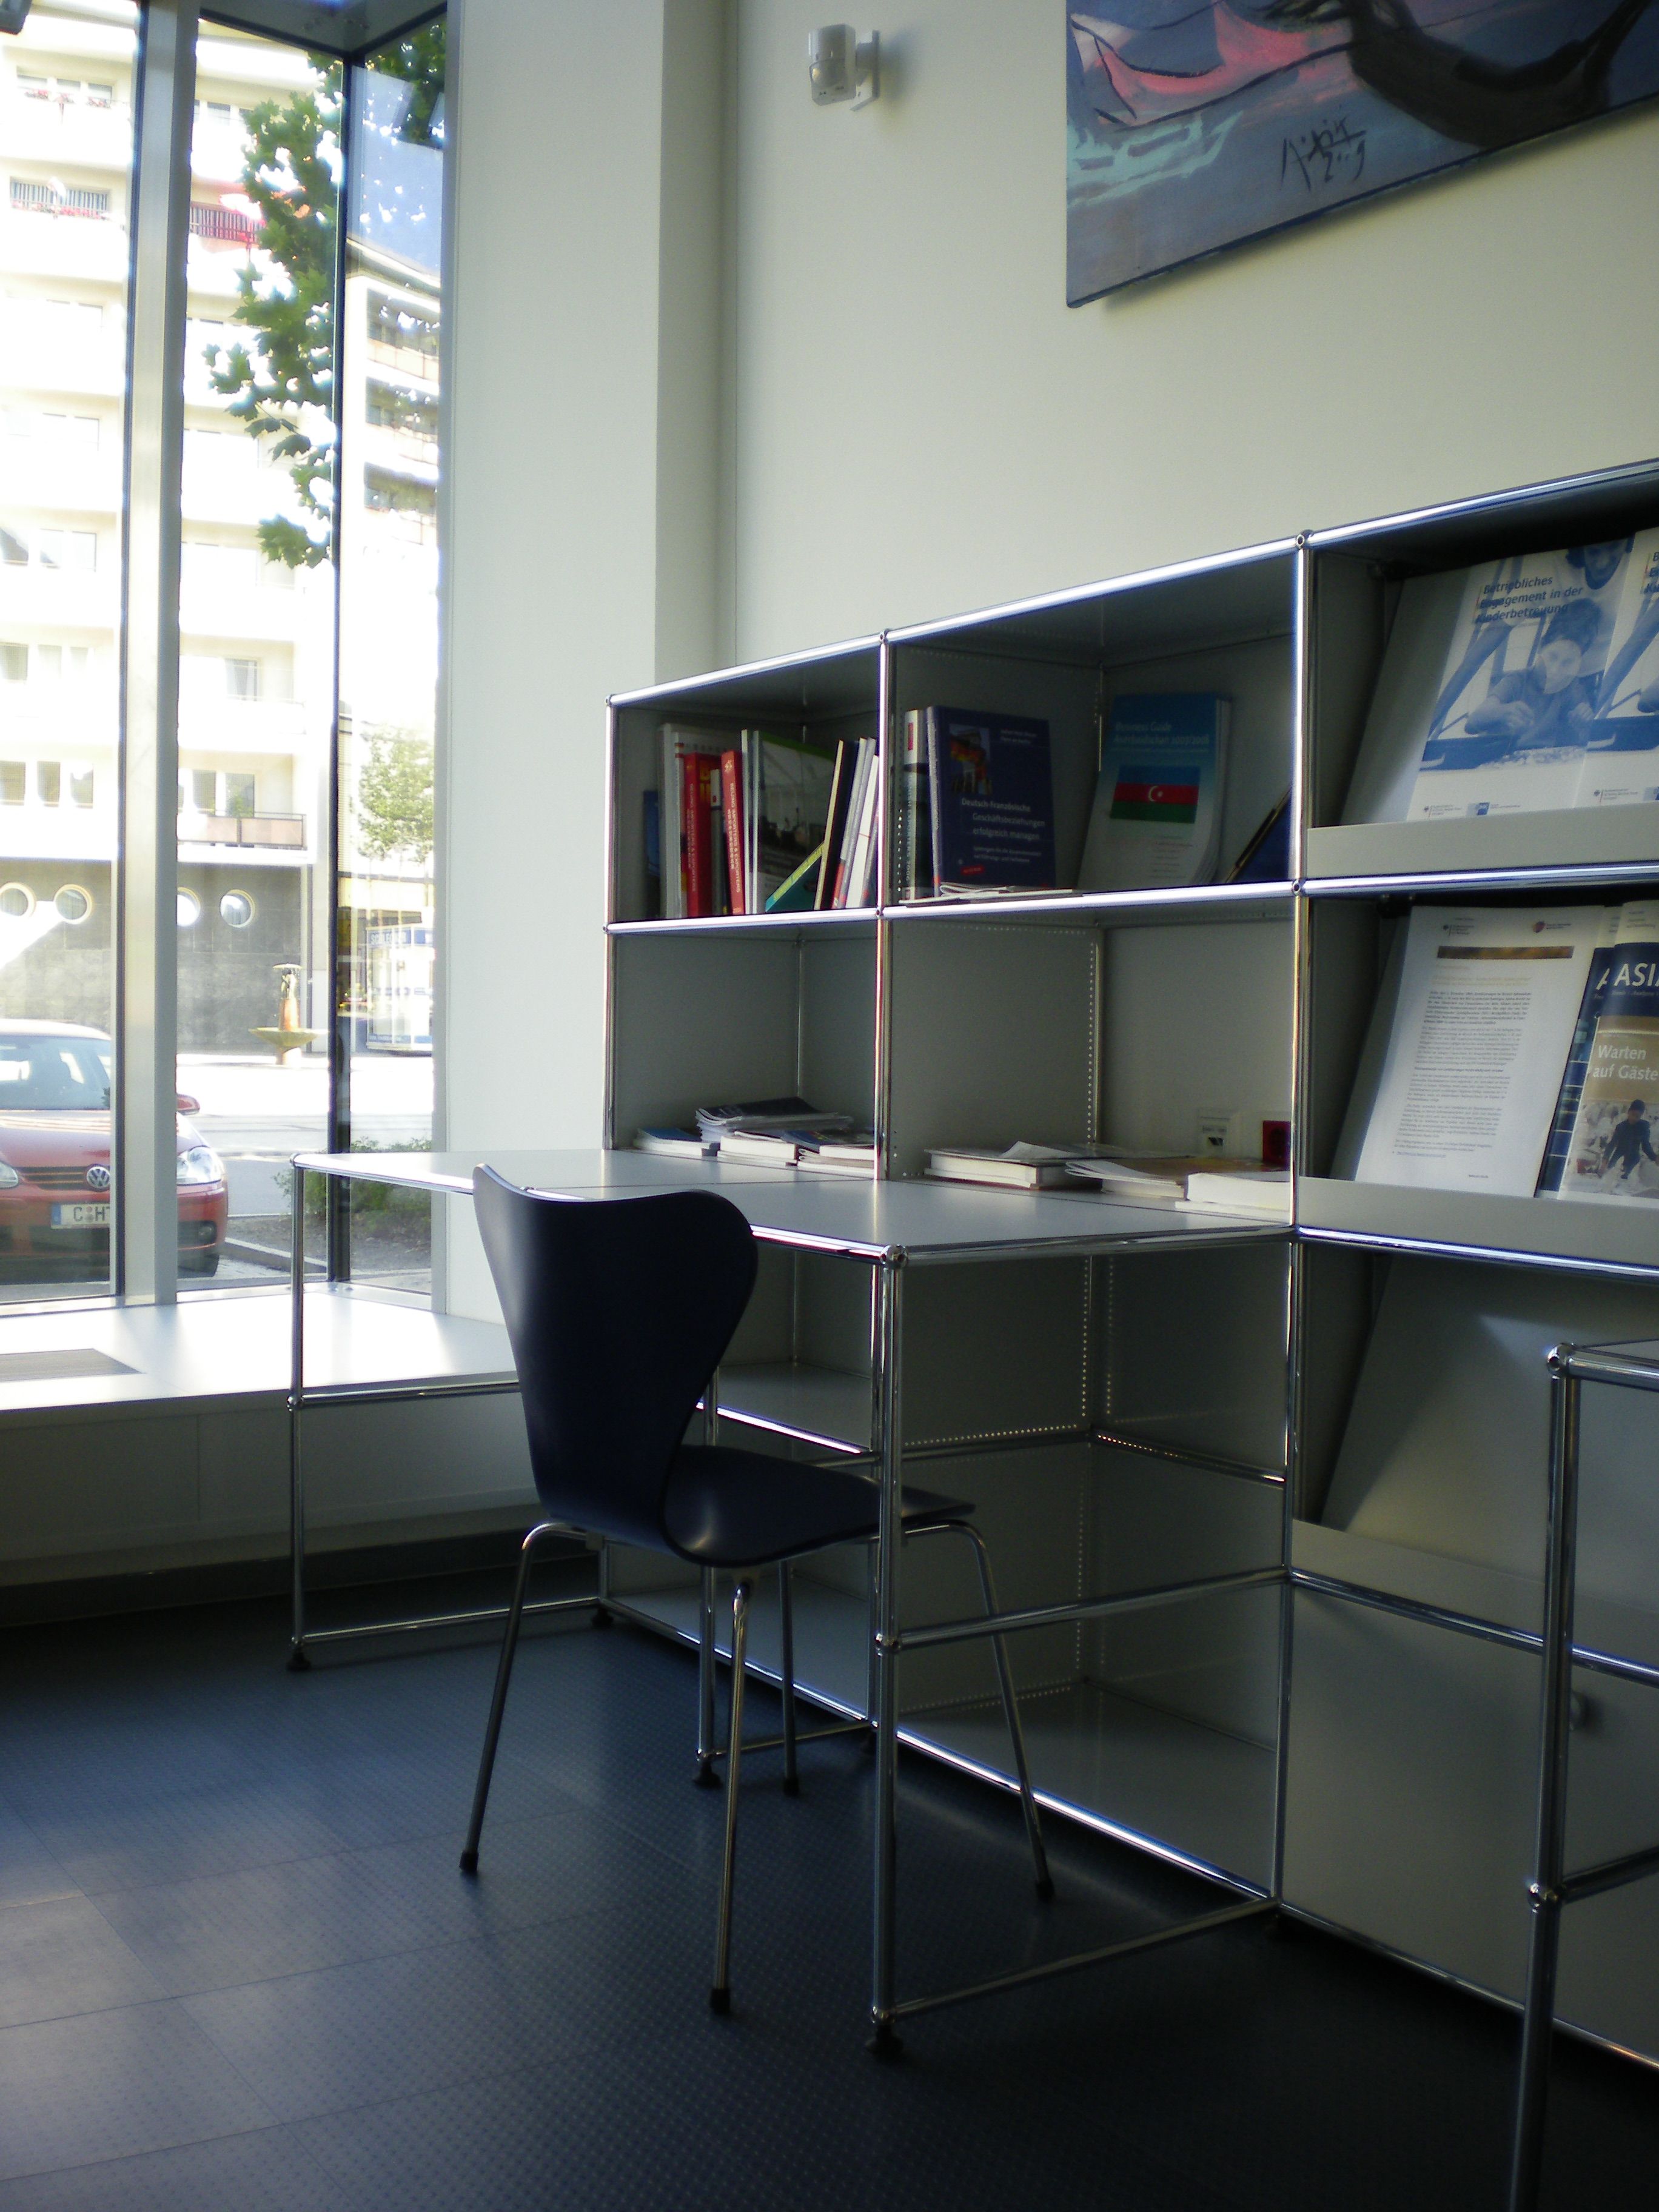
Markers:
265,2171
460,2012
108,2084
284,1919
60,1956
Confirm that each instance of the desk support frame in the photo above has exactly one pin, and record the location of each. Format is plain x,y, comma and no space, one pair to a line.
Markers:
1552,1887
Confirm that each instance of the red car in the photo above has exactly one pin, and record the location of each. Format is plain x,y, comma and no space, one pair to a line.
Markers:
54,1153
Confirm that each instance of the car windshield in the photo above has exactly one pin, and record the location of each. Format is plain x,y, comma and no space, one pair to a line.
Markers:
49,1074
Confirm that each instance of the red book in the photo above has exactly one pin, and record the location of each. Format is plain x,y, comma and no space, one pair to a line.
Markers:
697,772
731,806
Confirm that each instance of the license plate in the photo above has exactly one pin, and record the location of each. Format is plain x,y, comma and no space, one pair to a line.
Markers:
82,1214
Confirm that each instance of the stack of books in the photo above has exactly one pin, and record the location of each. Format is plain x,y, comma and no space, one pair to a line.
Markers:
1226,1186
768,825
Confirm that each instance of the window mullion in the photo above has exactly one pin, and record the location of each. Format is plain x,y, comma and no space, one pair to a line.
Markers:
147,984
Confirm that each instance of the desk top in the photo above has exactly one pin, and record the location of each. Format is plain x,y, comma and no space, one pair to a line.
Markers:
914,1220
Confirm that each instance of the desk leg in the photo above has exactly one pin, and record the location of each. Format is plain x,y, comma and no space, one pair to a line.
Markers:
296,1654
1538,2011
889,1349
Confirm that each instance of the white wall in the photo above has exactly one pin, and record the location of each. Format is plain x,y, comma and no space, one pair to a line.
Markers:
923,426
582,388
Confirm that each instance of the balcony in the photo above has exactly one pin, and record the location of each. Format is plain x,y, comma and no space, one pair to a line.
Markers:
72,135
265,831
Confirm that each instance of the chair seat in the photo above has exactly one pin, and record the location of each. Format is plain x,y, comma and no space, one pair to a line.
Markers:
732,1508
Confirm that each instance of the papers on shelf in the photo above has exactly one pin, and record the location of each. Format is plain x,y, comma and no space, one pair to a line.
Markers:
1478,1031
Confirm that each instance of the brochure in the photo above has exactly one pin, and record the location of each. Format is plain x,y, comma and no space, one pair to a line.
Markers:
1480,1031
1611,1155
1488,686
785,810
1157,817
1620,767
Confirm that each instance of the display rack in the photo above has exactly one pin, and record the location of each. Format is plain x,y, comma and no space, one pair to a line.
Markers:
1149,1416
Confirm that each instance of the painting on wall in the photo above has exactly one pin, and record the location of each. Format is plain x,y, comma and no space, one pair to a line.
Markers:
1194,124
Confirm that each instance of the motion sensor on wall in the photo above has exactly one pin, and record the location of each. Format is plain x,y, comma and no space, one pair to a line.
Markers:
844,66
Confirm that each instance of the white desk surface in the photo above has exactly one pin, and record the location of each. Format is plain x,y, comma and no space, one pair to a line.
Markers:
919,1220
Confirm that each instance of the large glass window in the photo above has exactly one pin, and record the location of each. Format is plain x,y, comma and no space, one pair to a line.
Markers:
257,631
66,139
389,630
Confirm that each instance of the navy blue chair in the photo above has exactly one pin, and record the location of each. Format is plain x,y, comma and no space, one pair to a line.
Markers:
619,1312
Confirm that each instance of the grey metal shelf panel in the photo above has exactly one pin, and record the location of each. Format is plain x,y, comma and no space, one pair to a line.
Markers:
851,922
1191,1794
1217,601
1544,849
813,1404
1198,903
1570,511
831,679
1545,1231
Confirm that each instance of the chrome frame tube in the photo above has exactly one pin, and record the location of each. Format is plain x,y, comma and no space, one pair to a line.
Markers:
1045,1883
1088,1608
786,1665
720,1989
1538,2013
1075,1960
296,1521
884,1929
706,1676
498,1700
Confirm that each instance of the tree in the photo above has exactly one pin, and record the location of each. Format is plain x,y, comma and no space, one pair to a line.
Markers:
394,797
280,380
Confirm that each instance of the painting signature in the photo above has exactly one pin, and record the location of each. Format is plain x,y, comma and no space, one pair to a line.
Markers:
1329,154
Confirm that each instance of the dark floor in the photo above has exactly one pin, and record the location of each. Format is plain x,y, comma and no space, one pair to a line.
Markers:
240,1972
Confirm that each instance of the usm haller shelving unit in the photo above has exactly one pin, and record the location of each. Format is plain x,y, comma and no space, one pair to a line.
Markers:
1366,1752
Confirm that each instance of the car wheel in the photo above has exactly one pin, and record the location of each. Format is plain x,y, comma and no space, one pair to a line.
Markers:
198,1263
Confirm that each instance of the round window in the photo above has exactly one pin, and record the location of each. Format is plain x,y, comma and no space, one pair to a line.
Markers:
72,904
190,909
17,901
237,909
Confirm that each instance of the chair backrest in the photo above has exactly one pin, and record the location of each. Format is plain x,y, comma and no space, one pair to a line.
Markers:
619,1310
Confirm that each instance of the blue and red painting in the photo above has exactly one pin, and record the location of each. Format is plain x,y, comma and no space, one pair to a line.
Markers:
1192,124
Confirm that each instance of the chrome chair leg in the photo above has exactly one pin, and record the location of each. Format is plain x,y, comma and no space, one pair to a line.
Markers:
720,1993
498,1703
707,1777
787,1651
1011,1708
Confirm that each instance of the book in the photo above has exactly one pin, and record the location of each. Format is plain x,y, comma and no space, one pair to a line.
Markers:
671,1144
861,865
1488,688
1559,1143
795,894
652,832
1155,821
1266,1191
1267,855
1154,1175
698,785
677,745
841,794
1611,1155
990,798
732,816
854,1154
786,808
849,828
761,1113
1620,767
761,1148
1479,1016
914,876
964,1163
